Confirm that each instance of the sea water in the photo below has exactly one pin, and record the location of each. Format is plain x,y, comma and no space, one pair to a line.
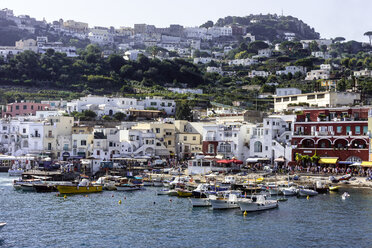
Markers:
144,219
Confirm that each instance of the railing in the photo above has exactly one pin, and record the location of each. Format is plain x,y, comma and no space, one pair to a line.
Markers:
49,136
35,135
210,138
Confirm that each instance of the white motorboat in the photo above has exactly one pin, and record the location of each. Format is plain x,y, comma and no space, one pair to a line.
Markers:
226,201
257,203
200,202
2,224
128,187
307,192
158,184
15,172
345,195
289,191
163,192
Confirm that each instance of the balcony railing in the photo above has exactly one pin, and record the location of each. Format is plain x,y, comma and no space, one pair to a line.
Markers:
35,135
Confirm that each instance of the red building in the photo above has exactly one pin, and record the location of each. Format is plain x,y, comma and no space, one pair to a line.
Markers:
23,109
335,132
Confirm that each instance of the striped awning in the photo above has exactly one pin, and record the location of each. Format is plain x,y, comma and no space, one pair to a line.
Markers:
366,164
328,160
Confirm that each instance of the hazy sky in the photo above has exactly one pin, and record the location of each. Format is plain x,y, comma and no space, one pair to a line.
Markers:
331,18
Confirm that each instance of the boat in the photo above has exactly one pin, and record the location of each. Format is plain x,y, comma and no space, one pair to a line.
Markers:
163,192
345,195
76,189
257,203
334,188
128,187
289,191
158,184
173,192
43,188
224,201
15,172
345,177
307,192
184,193
200,202
2,224
28,187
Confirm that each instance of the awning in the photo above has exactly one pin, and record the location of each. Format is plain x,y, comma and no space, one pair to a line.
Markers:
328,160
279,160
345,162
263,159
367,164
252,160
223,161
235,161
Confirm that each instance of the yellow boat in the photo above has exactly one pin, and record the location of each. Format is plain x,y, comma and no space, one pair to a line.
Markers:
68,189
334,188
184,193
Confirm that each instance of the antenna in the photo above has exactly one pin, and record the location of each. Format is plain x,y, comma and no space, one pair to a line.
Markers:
282,13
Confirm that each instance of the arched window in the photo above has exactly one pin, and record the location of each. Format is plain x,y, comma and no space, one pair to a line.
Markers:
257,146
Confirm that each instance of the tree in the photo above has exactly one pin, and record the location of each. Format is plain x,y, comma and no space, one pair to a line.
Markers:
369,34
208,24
120,116
338,39
183,111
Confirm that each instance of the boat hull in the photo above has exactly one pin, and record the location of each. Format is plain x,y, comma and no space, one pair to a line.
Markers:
200,202
223,204
182,193
334,188
249,206
28,188
63,189
305,192
289,192
2,224
45,188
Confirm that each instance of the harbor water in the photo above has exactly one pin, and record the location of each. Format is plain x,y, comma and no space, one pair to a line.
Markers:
144,219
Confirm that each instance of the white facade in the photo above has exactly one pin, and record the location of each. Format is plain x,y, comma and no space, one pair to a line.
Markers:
317,74
254,73
245,62
169,106
202,60
212,69
320,54
100,36
317,99
185,91
327,67
363,73
271,139
292,69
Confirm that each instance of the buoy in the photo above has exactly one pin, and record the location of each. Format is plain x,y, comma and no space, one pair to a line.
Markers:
170,200
112,196
154,203
86,195
308,197
57,194
65,196
125,198
119,202
245,213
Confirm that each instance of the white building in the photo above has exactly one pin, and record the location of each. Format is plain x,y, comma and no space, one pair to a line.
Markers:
320,54
317,74
292,69
186,91
169,106
100,35
202,60
363,73
132,54
254,73
271,139
327,67
244,62
212,69
138,143
316,99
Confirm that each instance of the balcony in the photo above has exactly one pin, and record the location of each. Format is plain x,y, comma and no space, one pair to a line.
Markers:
49,136
36,135
210,139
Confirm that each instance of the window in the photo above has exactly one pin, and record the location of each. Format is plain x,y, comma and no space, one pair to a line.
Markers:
357,130
98,143
169,142
365,130
153,103
17,107
83,142
24,130
294,98
4,128
257,146
24,106
157,130
235,134
169,104
266,148
49,146
320,96
286,99
339,129
278,100
193,137
184,138
348,129
98,153
310,97
210,148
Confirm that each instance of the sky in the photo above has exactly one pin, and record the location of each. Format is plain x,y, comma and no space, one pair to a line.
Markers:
331,18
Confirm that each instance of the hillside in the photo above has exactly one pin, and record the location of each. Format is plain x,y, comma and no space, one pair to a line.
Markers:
271,27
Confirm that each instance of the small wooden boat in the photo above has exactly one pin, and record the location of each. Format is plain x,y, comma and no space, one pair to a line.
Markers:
334,188
67,189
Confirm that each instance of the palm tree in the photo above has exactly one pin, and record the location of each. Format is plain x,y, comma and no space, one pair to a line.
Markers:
369,34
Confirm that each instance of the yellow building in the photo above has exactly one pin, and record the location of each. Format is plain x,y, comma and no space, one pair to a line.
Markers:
82,141
57,129
188,140
165,132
